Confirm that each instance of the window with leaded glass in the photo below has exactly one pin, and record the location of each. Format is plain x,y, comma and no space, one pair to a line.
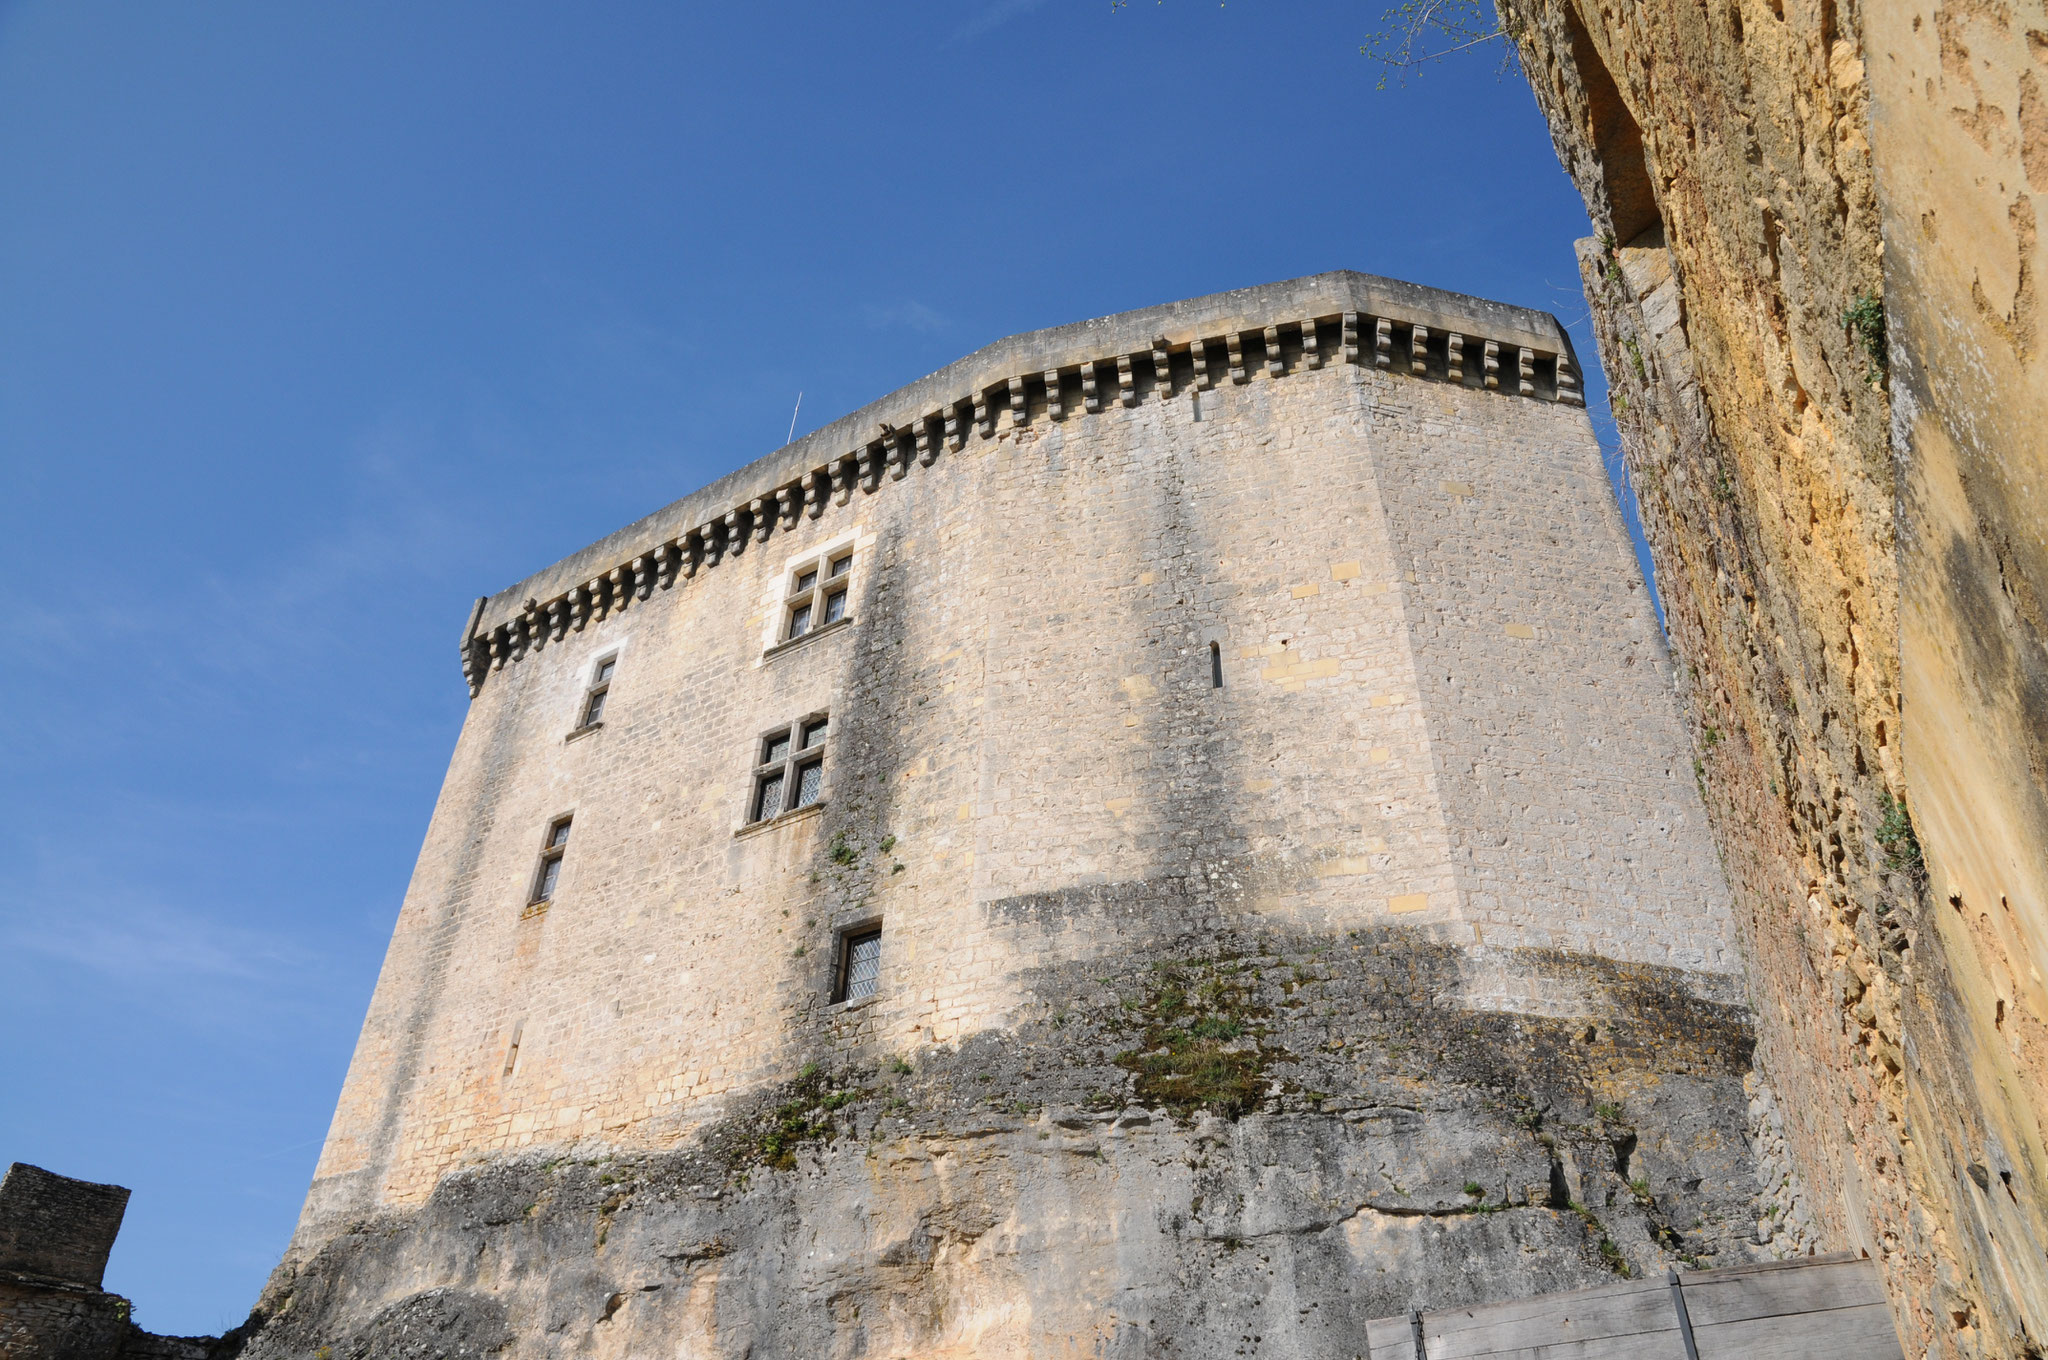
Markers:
789,771
817,594
860,964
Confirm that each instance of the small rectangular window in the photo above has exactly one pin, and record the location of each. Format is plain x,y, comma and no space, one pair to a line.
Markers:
790,773
816,596
860,965
549,872
594,697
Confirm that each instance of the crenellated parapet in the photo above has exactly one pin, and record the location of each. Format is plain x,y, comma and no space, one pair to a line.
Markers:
1156,354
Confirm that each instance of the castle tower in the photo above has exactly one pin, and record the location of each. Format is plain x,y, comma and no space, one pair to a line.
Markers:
1168,836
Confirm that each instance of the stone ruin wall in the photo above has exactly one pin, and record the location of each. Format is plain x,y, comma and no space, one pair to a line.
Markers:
1395,971
55,1236
1853,562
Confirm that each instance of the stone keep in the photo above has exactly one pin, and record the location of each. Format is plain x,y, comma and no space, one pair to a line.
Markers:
1251,735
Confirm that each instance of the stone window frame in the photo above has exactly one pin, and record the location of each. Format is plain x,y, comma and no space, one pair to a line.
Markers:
850,938
547,871
602,672
813,601
805,739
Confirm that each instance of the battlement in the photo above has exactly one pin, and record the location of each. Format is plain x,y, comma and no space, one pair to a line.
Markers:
1180,349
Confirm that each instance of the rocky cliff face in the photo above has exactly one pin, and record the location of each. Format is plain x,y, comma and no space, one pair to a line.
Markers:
1224,1144
1826,378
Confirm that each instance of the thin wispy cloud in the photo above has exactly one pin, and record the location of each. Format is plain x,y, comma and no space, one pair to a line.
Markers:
993,15
912,315
395,528
151,942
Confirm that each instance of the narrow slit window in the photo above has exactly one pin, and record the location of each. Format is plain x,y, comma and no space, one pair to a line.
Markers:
512,1050
600,686
860,965
549,874
1215,666
817,595
789,772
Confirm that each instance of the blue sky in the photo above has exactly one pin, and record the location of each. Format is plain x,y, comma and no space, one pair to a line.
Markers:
318,321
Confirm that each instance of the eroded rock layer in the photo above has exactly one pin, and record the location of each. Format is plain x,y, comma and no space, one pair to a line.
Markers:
1222,1144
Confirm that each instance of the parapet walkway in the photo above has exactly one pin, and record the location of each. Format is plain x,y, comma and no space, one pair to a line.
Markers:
1816,1308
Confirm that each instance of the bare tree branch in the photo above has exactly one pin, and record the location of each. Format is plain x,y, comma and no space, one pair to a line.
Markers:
1419,33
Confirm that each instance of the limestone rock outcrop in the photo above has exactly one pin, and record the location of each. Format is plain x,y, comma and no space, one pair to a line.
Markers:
1813,276
1360,1144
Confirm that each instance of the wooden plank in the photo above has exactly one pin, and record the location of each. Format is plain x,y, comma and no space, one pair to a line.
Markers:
1837,1334
1861,1280
1844,1284
1863,1333
1662,1342
1636,1318
1573,1320
1826,1258
1566,1311
1388,1339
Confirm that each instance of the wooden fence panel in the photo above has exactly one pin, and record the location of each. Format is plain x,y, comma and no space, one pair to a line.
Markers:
1819,1308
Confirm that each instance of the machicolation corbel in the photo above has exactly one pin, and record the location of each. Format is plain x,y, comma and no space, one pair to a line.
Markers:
488,646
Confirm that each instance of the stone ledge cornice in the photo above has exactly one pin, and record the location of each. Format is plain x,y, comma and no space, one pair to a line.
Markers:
1156,353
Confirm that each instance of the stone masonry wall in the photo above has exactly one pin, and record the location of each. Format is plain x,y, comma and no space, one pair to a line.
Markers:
55,1235
56,1226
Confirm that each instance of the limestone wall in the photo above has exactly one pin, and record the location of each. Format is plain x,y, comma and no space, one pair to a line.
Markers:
1849,543
1416,912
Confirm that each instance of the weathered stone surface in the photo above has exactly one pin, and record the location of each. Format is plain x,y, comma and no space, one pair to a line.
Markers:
56,1226
55,1233
1959,130
1017,1195
1853,563
1295,894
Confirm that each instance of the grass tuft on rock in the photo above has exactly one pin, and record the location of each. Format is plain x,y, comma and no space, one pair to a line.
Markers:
1201,1042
